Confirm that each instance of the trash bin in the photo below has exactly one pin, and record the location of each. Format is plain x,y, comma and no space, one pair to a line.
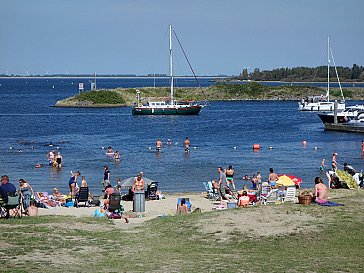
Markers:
139,201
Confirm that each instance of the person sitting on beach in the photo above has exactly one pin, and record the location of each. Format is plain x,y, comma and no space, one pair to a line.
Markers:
349,169
243,200
321,192
230,176
33,209
57,196
108,191
215,185
182,208
272,178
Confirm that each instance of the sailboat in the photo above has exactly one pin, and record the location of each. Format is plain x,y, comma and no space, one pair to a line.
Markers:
171,106
323,103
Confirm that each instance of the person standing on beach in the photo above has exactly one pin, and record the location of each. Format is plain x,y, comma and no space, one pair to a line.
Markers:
26,192
322,165
272,178
230,176
334,162
158,145
73,182
138,184
186,145
106,180
222,182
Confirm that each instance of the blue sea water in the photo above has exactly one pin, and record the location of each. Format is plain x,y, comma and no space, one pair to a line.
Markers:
222,134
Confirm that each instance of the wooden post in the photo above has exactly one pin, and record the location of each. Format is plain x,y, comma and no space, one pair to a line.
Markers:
335,111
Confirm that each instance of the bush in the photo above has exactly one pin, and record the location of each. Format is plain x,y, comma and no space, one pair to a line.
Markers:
101,97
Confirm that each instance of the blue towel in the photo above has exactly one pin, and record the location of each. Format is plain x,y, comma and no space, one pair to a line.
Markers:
331,204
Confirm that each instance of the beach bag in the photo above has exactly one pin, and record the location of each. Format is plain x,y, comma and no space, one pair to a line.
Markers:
70,204
114,215
99,214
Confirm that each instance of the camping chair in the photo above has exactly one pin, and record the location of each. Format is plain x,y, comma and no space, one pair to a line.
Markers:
82,196
290,195
14,205
211,192
114,203
268,195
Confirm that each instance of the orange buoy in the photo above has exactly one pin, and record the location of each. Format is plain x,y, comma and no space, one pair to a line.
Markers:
256,147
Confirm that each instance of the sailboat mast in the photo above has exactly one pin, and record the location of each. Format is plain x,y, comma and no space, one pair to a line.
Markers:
171,63
328,69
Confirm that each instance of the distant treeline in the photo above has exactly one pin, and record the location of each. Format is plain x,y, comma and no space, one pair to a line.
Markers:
299,74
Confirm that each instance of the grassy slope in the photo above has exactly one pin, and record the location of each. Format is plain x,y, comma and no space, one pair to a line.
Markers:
43,244
249,91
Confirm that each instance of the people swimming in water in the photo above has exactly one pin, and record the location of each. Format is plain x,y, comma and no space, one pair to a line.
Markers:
186,145
158,145
59,160
117,156
109,150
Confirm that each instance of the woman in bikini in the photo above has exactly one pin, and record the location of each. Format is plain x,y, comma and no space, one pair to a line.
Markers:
230,176
321,193
72,183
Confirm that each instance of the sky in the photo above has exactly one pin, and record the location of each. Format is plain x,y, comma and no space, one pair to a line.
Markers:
219,36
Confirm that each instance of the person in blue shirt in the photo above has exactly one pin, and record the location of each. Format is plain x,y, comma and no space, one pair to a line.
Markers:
5,188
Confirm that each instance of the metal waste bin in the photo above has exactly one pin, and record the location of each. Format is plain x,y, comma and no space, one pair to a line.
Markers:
139,201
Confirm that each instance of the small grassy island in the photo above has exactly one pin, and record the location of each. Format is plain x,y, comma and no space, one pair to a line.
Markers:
250,91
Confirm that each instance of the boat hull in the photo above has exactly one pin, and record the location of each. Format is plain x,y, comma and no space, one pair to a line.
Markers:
329,118
189,110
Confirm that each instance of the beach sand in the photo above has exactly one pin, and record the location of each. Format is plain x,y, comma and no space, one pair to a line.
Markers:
153,208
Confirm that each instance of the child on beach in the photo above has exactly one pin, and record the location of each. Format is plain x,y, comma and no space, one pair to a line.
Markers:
322,166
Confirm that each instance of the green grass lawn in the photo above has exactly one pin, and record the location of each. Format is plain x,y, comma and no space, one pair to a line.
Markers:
331,240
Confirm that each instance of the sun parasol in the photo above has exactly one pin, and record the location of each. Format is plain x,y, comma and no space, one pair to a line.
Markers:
128,182
294,178
286,181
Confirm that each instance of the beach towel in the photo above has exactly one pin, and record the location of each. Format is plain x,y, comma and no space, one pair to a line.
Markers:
330,204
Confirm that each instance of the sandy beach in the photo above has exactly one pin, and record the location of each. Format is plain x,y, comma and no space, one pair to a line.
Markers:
153,208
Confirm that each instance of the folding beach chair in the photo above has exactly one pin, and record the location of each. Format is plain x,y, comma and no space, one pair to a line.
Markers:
268,195
82,196
188,203
114,203
211,192
14,205
290,195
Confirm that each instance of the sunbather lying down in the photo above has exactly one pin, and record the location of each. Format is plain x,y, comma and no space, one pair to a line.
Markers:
43,198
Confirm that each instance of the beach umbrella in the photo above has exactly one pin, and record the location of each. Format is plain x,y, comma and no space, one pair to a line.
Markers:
128,182
294,178
284,180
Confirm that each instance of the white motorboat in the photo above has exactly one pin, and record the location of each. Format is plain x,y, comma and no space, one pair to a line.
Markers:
350,112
